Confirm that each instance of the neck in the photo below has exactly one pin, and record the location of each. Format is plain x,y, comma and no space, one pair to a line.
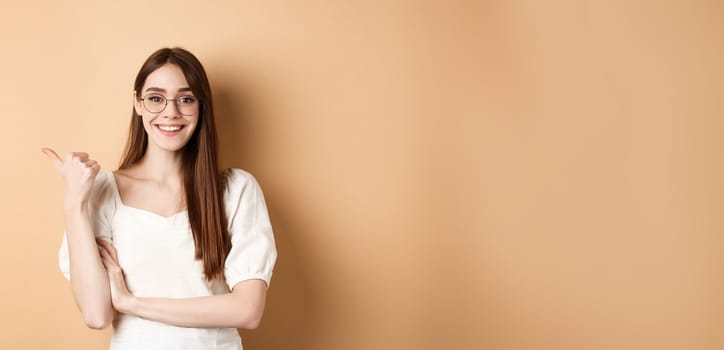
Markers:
161,165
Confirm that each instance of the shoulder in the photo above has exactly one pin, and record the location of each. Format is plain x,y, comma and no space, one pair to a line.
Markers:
236,179
241,191
239,185
103,190
104,183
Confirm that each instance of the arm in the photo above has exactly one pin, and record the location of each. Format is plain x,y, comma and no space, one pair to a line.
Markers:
242,308
89,279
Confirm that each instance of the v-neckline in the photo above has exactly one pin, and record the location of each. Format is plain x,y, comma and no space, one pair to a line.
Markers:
119,200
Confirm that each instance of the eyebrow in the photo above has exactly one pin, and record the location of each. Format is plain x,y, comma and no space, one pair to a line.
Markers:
153,88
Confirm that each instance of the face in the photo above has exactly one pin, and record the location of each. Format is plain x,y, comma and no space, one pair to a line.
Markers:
168,128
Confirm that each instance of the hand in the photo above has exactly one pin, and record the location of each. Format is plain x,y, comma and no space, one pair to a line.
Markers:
77,171
121,297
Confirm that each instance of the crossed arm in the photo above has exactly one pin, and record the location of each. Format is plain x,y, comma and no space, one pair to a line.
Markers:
242,308
98,290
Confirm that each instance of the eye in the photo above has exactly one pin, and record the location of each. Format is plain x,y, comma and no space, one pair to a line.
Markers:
187,99
155,98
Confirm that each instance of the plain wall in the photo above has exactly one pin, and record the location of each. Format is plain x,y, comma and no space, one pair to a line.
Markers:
440,175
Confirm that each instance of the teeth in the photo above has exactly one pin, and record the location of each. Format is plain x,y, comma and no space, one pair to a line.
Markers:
169,128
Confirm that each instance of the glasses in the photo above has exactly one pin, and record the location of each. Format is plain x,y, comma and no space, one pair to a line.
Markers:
156,103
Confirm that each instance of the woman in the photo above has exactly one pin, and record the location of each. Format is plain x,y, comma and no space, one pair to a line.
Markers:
181,253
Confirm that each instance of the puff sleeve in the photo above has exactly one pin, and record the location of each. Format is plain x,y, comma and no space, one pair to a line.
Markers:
101,207
253,251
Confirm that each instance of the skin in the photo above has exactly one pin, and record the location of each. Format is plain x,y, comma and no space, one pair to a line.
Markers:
153,184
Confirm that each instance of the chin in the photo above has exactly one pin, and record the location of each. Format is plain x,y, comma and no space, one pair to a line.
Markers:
169,147
173,148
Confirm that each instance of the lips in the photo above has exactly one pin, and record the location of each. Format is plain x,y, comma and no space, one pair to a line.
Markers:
169,129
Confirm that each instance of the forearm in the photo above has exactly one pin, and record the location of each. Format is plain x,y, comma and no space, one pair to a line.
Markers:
89,279
216,311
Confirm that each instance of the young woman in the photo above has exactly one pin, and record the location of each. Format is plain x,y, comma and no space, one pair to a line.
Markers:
179,252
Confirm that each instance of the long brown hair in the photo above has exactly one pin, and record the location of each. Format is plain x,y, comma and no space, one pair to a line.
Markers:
203,182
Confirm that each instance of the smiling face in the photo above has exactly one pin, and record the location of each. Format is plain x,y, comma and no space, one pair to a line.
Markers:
171,128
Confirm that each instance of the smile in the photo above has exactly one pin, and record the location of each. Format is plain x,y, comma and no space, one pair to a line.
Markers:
169,130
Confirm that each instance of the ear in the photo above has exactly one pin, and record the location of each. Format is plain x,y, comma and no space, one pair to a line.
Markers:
137,103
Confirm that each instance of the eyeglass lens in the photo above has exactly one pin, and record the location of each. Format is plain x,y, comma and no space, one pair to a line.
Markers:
156,103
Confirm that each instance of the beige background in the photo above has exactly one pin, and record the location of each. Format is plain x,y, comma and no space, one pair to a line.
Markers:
440,175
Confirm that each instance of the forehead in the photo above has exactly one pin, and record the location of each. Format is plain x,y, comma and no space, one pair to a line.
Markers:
169,77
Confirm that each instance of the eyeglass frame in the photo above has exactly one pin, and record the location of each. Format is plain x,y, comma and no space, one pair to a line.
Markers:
143,103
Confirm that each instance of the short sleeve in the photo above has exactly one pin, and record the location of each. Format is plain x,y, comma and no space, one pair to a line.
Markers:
253,251
101,207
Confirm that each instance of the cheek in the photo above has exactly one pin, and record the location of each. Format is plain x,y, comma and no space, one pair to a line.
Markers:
146,124
192,128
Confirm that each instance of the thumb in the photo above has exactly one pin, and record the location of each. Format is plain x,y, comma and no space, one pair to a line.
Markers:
57,162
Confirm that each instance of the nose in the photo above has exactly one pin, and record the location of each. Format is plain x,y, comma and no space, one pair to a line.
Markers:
171,110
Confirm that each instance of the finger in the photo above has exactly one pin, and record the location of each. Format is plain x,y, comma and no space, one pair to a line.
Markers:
109,248
102,242
105,263
81,155
111,267
90,163
105,259
105,255
57,162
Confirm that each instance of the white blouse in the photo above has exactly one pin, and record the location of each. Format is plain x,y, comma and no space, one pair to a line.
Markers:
156,254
